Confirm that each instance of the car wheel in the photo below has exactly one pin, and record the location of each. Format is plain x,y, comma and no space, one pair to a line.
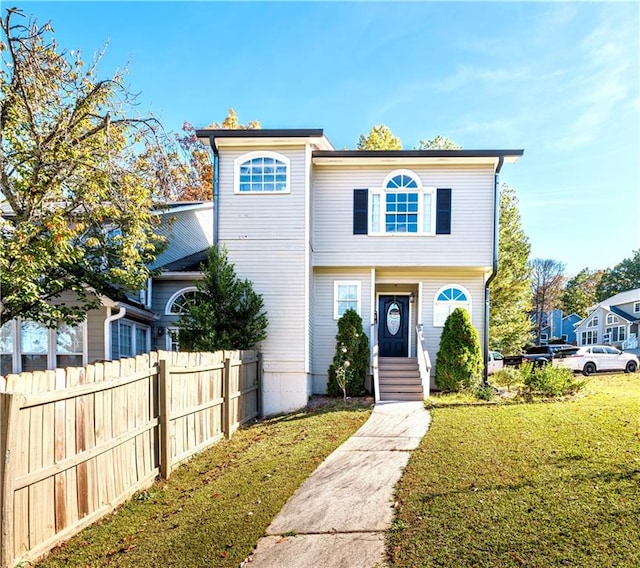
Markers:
589,369
631,367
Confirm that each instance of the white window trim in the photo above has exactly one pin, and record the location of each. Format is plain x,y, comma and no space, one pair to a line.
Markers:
611,319
636,308
134,325
169,341
468,305
420,190
52,351
170,302
336,285
260,154
593,322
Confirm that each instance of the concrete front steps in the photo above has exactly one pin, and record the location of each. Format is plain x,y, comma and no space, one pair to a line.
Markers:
399,378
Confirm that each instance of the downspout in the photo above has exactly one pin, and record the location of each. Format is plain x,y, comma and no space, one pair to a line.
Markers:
107,330
494,271
216,192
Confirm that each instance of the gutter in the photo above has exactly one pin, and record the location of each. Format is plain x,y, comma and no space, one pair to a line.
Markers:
494,271
216,191
107,330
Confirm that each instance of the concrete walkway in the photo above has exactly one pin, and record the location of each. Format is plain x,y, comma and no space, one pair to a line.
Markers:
338,517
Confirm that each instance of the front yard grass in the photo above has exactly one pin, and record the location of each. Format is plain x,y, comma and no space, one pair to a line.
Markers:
535,485
213,509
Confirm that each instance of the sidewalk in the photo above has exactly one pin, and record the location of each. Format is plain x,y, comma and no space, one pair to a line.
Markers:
338,517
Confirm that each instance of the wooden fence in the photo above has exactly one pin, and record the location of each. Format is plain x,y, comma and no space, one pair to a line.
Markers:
78,442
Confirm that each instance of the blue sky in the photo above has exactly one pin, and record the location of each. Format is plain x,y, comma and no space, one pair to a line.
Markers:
560,80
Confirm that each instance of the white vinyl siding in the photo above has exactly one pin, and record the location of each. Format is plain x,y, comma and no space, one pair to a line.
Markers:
470,243
267,239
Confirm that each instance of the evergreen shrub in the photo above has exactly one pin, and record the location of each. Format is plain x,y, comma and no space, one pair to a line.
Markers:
352,355
459,360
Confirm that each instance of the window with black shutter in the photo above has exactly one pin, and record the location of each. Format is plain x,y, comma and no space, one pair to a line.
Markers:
443,212
360,211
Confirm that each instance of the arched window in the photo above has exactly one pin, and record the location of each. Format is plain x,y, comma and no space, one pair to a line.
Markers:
448,299
179,303
402,205
262,172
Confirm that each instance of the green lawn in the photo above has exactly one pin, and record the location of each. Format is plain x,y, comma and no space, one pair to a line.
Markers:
535,485
214,509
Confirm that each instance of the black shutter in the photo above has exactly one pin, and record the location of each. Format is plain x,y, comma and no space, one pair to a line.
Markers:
443,212
360,211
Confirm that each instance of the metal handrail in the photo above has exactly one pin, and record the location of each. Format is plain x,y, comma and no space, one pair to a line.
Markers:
424,362
374,365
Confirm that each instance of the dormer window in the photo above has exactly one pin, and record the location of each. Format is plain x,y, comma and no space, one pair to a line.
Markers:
262,172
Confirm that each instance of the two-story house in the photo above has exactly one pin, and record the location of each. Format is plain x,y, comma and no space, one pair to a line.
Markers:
614,321
403,237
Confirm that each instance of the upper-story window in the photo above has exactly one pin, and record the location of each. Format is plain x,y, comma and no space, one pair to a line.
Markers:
448,299
636,308
262,172
611,319
402,206
179,303
594,322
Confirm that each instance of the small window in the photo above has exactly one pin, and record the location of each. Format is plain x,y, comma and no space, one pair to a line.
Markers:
593,322
448,299
179,303
636,308
544,338
263,172
611,319
173,343
346,295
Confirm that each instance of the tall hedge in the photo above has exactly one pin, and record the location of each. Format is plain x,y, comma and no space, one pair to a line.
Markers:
459,360
352,345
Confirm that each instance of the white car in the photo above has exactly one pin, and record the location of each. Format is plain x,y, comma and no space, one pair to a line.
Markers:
496,362
593,358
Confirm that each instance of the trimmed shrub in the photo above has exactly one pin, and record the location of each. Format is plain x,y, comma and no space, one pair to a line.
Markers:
351,357
459,360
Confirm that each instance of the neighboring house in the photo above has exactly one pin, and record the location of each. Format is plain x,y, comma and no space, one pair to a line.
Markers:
122,326
613,321
403,237
557,325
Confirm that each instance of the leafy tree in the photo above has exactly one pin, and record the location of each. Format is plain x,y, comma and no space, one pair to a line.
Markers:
379,138
546,286
191,161
510,290
227,312
438,143
459,360
622,277
580,292
71,172
351,360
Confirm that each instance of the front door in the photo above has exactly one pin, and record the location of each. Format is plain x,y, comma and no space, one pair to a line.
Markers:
393,326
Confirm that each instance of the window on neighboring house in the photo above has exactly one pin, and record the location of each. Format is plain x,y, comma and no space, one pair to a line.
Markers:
173,342
34,346
565,338
636,308
543,338
448,299
262,172
69,346
617,333
402,206
179,303
346,295
133,339
611,319
593,322
7,340
589,337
